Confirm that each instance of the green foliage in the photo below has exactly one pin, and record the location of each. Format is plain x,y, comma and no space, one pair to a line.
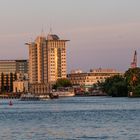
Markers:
120,86
2,82
63,82
136,90
15,76
11,82
115,86
119,89
7,83
132,77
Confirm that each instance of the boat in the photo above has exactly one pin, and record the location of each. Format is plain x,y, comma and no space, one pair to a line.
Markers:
31,97
10,103
53,95
28,97
64,93
44,97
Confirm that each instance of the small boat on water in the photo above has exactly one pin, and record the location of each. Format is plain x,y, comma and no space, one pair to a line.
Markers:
53,95
44,97
10,103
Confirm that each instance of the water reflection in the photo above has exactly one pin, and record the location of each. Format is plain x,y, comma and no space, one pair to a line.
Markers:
71,118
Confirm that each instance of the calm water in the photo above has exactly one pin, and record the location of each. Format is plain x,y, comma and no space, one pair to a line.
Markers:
76,118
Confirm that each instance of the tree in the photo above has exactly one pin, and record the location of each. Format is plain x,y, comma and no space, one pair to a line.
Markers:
63,82
2,82
15,76
115,86
132,77
122,85
11,82
136,91
7,83
119,89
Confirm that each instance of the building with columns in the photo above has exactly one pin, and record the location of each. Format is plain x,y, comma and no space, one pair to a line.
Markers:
47,62
87,79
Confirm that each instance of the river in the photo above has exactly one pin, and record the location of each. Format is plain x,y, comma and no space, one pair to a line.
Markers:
74,118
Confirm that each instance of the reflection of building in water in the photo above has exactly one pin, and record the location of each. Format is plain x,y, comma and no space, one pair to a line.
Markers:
47,62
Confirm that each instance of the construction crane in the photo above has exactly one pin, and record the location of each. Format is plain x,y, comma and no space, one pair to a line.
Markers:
134,62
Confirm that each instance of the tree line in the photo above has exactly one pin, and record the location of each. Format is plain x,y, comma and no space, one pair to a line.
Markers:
7,82
122,85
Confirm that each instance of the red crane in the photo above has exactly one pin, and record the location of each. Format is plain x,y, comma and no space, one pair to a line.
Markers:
134,62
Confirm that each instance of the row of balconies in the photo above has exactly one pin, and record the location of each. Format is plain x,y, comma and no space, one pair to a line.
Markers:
87,82
87,78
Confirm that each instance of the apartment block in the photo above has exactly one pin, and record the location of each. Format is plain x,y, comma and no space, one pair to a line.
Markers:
9,71
47,62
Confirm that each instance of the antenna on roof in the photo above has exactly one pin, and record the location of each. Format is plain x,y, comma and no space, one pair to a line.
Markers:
50,32
42,32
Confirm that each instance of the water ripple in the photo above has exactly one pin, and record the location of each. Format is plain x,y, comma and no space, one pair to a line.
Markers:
77,118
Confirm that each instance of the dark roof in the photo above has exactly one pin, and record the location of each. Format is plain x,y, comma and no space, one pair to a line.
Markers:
52,37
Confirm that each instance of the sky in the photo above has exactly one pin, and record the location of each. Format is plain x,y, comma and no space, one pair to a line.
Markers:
102,33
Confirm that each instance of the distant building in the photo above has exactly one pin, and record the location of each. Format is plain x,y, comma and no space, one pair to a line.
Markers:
76,71
134,62
47,62
20,86
87,79
9,69
21,66
14,66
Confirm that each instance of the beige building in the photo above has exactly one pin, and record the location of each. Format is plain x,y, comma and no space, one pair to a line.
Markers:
9,70
47,62
94,76
20,86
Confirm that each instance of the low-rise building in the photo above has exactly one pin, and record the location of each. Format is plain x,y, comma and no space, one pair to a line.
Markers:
20,86
87,79
9,71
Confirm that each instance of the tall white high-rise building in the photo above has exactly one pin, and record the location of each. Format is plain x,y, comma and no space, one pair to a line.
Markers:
47,62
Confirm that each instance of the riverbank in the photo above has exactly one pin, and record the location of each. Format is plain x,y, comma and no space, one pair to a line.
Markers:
10,96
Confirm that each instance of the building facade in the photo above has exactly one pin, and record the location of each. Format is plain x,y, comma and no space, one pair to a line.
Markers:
47,62
9,70
20,86
89,78
22,66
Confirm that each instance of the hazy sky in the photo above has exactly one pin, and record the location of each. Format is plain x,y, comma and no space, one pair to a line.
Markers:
102,33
